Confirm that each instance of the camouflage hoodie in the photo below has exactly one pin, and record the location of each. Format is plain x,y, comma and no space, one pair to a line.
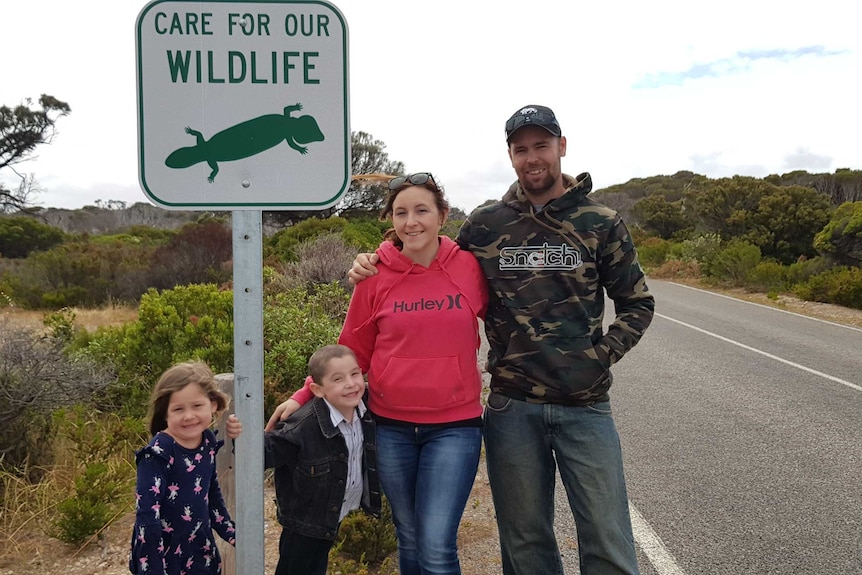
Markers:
547,273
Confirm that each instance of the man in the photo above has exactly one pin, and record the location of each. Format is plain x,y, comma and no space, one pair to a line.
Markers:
549,254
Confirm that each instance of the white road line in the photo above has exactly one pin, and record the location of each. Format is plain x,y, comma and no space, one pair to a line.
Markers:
652,545
765,354
854,328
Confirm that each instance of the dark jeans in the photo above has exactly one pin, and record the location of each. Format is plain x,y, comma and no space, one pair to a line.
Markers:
301,555
524,445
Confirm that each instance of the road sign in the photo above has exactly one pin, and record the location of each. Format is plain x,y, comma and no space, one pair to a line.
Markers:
243,104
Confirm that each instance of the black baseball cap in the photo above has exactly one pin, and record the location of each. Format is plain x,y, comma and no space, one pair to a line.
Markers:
534,115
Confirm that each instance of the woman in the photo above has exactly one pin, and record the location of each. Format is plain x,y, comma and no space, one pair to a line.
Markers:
414,330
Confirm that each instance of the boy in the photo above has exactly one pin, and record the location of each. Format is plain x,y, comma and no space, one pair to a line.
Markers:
325,462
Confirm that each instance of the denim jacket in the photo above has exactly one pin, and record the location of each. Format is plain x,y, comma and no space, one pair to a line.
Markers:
309,455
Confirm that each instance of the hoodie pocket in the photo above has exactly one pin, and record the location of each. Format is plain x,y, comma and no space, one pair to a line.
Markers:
569,366
421,384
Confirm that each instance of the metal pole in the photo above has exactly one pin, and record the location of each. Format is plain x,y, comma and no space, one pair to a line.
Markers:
248,386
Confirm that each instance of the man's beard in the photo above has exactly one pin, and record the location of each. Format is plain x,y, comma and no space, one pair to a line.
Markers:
542,187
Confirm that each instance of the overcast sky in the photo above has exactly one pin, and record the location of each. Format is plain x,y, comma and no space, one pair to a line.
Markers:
640,88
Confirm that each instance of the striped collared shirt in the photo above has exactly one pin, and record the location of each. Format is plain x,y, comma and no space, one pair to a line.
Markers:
353,436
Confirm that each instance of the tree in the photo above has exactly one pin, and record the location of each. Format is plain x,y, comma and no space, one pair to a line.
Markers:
364,197
786,220
656,215
21,130
368,156
841,239
21,235
723,206
780,220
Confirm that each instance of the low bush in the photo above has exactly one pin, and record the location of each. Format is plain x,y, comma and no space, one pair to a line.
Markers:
282,245
676,269
36,378
840,285
364,537
187,322
702,249
297,323
321,260
769,276
99,451
734,262
653,252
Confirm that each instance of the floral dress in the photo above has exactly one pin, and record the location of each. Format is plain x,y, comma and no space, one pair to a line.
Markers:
179,503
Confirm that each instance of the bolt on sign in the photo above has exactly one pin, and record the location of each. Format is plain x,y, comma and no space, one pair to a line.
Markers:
243,104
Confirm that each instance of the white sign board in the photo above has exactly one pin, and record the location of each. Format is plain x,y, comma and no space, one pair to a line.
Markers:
243,104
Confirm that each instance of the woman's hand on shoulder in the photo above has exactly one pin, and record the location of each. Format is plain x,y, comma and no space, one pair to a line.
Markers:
281,412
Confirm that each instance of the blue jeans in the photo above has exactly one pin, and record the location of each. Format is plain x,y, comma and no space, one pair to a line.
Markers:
524,442
426,474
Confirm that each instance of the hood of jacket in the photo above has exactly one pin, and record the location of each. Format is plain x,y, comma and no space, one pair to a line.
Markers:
392,257
400,266
576,190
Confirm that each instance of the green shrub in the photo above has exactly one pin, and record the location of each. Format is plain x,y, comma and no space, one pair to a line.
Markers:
92,507
100,449
282,245
364,235
187,322
734,262
701,249
840,285
61,324
19,236
364,537
296,323
653,251
803,269
841,238
80,273
769,276
196,322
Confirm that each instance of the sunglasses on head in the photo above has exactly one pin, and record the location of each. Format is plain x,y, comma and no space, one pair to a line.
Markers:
416,179
539,118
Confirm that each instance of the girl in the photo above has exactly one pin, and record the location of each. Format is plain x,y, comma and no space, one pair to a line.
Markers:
414,330
179,501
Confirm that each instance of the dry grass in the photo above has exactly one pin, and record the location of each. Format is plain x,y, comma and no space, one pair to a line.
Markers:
89,319
27,509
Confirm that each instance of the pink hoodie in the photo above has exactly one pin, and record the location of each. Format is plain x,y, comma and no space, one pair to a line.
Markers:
415,334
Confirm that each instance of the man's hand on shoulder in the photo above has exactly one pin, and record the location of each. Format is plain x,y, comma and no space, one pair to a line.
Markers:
363,267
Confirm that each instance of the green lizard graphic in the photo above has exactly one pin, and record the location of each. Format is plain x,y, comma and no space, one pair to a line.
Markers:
247,139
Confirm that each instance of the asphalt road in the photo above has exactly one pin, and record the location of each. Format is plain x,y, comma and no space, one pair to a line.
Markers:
741,428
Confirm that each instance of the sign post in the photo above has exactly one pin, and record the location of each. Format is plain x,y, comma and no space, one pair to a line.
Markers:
243,106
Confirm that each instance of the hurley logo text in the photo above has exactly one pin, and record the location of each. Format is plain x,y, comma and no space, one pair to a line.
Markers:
448,302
